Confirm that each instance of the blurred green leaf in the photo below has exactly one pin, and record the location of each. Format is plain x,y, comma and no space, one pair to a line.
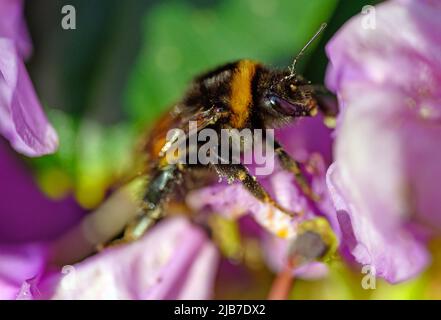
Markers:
66,128
91,157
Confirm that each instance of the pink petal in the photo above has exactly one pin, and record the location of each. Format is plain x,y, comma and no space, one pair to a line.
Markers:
175,260
393,251
387,155
234,201
305,137
19,263
32,217
372,185
13,26
401,53
22,120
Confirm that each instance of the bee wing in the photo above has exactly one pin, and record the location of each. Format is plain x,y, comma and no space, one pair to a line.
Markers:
202,118
154,144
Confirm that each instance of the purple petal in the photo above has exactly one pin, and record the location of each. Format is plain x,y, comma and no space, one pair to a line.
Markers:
26,214
234,201
18,264
175,260
22,120
392,250
387,155
372,185
406,39
307,136
13,26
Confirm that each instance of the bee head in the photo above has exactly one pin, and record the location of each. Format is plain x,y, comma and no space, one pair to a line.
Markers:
286,95
289,95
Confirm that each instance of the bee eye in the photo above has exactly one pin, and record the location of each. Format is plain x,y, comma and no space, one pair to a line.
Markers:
282,105
272,100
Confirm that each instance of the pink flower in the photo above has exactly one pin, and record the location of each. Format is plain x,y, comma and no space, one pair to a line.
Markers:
17,264
22,120
28,221
26,214
175,260
13,26
384,182
27,218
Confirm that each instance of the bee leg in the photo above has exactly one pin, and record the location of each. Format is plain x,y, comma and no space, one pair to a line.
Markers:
326,102
161,184
240,172
142,222
293,166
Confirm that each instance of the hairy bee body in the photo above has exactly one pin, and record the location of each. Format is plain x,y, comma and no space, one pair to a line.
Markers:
233,89
238,95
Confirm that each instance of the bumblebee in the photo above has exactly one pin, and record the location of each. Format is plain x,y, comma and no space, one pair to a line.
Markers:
237,95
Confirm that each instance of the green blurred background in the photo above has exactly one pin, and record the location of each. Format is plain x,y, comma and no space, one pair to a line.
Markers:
127,61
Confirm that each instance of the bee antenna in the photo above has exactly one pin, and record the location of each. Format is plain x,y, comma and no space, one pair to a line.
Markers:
292,69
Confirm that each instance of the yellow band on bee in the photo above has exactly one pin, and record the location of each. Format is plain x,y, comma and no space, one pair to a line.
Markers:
241,95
